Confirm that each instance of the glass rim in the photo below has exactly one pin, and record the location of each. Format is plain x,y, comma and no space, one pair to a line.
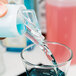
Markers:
48,66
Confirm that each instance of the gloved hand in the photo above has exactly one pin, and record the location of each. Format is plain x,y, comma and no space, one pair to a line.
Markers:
4,1
3,10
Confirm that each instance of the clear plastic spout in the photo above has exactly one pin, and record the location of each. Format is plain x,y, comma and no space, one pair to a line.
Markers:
33,31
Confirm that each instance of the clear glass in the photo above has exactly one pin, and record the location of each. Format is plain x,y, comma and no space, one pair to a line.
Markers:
38,63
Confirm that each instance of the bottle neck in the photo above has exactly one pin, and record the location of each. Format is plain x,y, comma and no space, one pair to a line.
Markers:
30,22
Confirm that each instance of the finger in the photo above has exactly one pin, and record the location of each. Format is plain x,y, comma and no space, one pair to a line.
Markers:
4,1
3,9
2,38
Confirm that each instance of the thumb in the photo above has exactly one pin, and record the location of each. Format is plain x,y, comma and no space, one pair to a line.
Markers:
4,1
3,9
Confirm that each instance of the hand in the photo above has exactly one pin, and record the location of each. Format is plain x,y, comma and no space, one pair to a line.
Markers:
4,1
3,9
2,38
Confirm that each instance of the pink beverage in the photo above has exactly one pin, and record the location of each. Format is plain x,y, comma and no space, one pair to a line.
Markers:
61,24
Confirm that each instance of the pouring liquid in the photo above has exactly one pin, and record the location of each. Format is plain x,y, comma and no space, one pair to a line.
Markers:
40,72
34,34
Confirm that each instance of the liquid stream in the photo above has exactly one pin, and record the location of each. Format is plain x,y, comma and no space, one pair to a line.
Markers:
34,34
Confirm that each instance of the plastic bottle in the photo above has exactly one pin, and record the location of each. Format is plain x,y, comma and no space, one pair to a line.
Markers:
15,41
61,23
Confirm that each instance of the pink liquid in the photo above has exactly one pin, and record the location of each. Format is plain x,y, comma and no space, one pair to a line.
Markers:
61,26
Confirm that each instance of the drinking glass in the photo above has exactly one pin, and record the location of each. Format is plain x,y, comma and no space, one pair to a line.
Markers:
37,62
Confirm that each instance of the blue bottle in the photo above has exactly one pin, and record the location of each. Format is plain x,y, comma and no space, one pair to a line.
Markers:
29,5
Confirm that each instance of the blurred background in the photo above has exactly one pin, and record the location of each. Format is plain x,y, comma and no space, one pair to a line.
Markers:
58,24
